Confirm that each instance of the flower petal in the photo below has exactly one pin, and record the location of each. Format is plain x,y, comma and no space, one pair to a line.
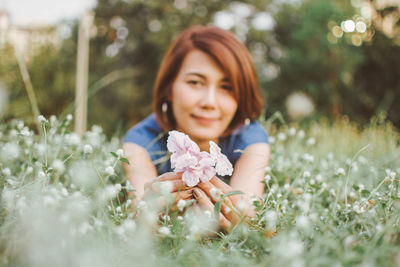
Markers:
190,178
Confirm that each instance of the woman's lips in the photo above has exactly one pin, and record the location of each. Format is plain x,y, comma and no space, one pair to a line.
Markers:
204,120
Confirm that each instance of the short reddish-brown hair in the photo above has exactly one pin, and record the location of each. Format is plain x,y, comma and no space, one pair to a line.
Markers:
230,54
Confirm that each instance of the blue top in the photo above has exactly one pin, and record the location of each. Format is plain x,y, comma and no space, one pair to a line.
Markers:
149,135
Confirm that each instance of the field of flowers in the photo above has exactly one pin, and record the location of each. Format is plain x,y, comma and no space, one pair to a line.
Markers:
332,199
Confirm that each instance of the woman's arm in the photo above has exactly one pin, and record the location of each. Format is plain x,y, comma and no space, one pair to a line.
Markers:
250,169
140,169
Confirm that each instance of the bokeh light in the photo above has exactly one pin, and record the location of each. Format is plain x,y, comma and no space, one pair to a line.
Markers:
348,25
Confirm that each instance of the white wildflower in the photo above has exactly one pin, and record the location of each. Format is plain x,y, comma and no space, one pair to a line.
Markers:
292,131
73,139
87,149
379,228
181,204
281,136
308,157
118,187
303,222
166,187
10,151
306,174
41,119
108,192
6,171
166,218
207,213
29,170
141,204
348,240
268,169
64,192
118,209
267,177
25,131
120,152
271,217
242,206
227,209
179,218
340,171
354,166
58,165
319,178
49,201
215,193
84,228
53,119
392,175
69,117
271,139
294,248
307,197
164,231
110,170
286,186
129,225
41,174
301,134
97,129
310,141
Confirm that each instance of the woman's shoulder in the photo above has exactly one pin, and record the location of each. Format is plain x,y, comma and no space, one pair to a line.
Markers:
144,132
251,133
241,138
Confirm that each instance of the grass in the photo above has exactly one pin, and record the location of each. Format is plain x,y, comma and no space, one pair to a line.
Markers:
332,199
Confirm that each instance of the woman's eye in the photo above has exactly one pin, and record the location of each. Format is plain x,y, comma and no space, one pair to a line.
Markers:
193,82
227,87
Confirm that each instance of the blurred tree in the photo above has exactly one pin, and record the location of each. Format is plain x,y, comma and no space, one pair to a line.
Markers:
296,45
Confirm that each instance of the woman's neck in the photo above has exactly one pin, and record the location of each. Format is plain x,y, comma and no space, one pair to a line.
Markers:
205,145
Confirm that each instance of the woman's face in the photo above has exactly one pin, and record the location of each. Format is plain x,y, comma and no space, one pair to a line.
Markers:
202,98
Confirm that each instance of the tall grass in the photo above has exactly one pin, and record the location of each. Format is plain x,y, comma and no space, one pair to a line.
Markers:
331,199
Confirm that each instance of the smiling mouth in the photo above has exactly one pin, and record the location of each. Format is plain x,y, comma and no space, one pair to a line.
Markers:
204,120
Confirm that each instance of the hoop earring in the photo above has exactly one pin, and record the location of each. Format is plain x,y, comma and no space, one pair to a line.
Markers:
246,121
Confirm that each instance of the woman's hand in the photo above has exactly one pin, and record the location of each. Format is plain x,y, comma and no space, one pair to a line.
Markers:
234,208
164,184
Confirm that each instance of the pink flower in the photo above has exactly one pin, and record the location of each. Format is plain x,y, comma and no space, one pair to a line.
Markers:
196,165
223,166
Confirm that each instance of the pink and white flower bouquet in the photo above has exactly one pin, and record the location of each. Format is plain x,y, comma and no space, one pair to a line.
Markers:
196,165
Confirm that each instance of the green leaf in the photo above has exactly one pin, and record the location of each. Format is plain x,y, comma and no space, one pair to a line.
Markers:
236,192
125,160
217,209
114,154
355,187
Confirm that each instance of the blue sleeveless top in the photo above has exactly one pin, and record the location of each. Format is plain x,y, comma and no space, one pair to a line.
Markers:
149,135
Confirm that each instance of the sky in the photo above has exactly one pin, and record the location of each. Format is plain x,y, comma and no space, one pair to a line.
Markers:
27,12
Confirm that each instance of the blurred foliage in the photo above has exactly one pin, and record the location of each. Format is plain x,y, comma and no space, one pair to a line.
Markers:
294,52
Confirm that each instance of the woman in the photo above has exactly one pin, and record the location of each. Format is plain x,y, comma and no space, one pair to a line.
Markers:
207,88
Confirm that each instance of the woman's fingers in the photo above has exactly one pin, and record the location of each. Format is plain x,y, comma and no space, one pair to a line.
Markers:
166,186
206,203
225,188
175,197
214,193
170,176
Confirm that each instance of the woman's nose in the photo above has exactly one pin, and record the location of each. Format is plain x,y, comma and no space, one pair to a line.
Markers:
209,98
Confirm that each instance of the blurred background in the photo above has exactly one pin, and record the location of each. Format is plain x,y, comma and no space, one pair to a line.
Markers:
315,58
